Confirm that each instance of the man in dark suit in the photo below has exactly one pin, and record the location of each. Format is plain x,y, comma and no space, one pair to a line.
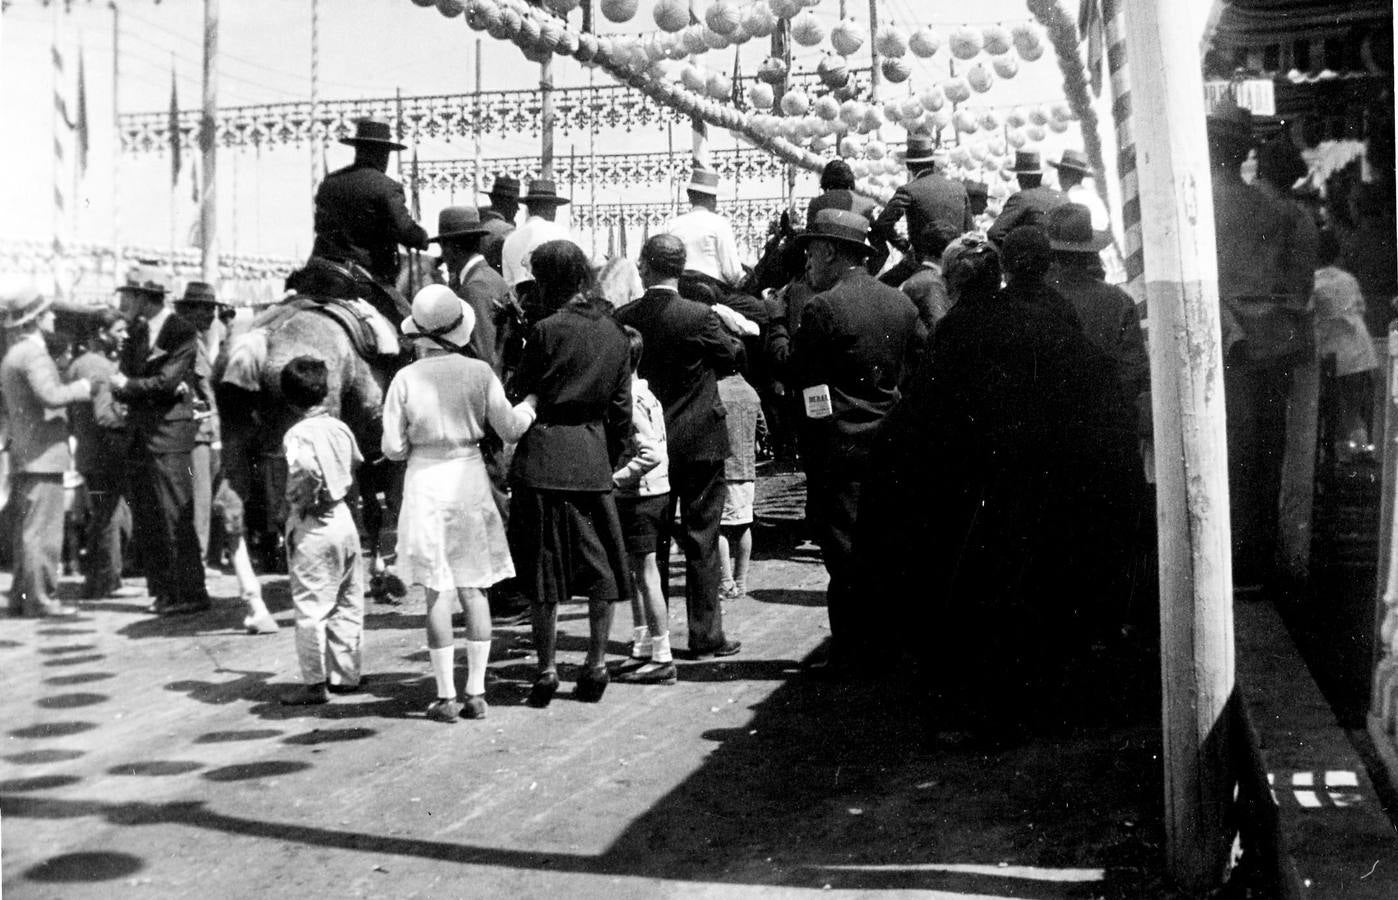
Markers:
1031,203
157,382
460,232
685,348
927,197
360,213
499,217
848,359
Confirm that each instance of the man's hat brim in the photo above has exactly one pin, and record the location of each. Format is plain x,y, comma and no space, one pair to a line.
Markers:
544,198
1071,167
459,235
1100,240
372,142
805,237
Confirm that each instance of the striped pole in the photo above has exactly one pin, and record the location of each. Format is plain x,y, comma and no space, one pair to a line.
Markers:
62,154
208,139
315,136
1114,13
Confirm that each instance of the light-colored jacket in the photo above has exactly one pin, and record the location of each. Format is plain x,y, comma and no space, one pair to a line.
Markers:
645,464
35,397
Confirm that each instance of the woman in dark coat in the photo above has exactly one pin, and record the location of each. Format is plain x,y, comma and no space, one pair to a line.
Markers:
997,477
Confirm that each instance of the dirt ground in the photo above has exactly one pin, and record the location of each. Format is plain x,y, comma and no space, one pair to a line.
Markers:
149,757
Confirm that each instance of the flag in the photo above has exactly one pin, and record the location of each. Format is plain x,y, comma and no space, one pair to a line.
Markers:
81,136
174,128
415,196
1092,28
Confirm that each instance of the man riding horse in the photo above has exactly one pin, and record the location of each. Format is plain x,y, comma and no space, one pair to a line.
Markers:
361,216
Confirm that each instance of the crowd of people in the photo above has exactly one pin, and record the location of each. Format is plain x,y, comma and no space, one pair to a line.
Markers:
969,421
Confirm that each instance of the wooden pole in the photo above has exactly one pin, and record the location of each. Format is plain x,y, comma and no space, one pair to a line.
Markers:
1186,362
116,141
546,118
873,50
476,181
208,139
62,151
315,137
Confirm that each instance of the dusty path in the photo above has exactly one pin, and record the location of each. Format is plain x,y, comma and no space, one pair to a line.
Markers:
149,758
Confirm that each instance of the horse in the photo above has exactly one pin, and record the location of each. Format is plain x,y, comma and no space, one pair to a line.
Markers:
256,416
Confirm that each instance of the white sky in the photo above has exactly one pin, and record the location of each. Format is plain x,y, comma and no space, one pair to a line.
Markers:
367,48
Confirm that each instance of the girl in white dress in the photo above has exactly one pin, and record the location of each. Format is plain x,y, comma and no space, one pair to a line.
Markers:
451,538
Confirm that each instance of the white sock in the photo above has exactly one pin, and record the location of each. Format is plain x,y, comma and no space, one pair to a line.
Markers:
477,655
660,648
443,669
640,642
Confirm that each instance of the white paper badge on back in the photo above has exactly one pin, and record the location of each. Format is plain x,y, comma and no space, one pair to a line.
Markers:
817,400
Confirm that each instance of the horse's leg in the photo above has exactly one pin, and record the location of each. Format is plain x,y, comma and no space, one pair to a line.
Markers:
380,520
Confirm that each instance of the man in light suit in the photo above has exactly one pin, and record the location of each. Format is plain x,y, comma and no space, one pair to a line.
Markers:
35,397
158,383
686,351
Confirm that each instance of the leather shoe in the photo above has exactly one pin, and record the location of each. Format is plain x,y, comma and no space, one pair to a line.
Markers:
541,694
308,695
727,648
474,707
184,607
592,684
444,709
651,673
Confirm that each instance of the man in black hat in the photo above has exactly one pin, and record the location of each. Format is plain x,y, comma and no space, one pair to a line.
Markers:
927,197
1263,329
499,217
1031,203
360,213
542,201
157,382
855,339
198,307
461,233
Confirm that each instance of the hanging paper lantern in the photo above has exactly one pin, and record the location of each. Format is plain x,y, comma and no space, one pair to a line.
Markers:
509,25
1037,115
1016,118
822,144
723,16
851,112
760,95
785,9
719,86
965,43
550,32
586,51
833,70
1035,133
529,30
694,78
795,103
1025,36
989,120
995,40
992,164
772,70
960,155
965,122
713,40
911,107
875,150
535,53
1030,54
852,145
562,7
932,99
890,41
1058,126
806,29
925,42
693,39
873,119
759,20
847,36
1061,112
979,78
619,10
941,119
895,69
451,8
483,16
956,89
977,151
1005,66
1016,138
827,107
671,15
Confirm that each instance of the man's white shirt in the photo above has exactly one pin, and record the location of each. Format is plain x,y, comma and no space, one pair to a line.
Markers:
514,254
709,244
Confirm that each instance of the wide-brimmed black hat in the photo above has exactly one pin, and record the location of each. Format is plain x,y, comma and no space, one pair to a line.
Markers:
1230,122
456,222
199,292
1074,161
1028,162
839,225
506,186
372,133
920,149
1070,230
543,190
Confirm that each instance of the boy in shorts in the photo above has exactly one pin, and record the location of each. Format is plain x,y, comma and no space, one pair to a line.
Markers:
642,491
744,412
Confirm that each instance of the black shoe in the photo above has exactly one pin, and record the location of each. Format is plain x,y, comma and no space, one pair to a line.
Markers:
308,695
592,684
727,648
541,694
650,673
474,707
344,688
185,607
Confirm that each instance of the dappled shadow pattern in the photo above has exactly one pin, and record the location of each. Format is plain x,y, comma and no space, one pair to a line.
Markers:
269,768
75,660
68,648
224,737
42,757
90,866
44,730
37,783
156,767
788,597
329,736
78,678
71,701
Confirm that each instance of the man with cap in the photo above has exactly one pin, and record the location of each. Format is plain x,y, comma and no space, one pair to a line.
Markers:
927,197
198,307
540,226
1261,320
158,382
35,397
499,217
710,248
360,213
848,359
1031,203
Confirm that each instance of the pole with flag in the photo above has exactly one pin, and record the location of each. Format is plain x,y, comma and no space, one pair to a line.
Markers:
62,154
176,139
208,144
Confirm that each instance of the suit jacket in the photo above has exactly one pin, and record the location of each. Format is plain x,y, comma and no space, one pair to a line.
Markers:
494,241
160,415
99,428
491,300
578,363
934,199
840,198
361,216
1027,207
1109,319
856,338
35,397
686,351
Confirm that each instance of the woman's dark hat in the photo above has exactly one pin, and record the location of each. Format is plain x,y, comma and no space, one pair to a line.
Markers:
1074,161
457,222
372,133
841,226
199,292
1070,230
543,190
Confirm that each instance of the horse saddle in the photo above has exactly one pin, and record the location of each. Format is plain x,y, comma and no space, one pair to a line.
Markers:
371,334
